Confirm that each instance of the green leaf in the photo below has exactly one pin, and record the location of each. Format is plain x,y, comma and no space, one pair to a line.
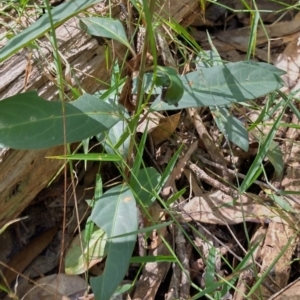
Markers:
145,229
233,128
89,226
147,85
60,14
225,84
85,146
265,66
169,168
139,157
89,157
149,259
27,121
175,197
111,138
255,168
275,156
121,290
105,27
171,83
77,262
144,185
116,213
210,267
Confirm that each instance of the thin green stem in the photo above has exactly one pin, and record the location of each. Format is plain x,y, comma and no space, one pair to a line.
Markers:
60,84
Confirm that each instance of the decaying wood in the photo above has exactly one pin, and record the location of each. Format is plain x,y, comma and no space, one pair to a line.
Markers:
23,174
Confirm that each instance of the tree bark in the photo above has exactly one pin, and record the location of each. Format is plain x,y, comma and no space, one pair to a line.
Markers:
23,174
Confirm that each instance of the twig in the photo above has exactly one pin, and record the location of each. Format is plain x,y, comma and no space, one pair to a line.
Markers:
181,250
210,146
213,182
216,165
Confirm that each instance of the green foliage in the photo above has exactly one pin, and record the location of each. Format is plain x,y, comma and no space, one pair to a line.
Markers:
225,84
144,184
94,249
265,142
233,128
105,27
172,87
116,213
29,122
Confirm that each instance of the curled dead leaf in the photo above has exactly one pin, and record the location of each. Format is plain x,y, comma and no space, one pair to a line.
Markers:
166,127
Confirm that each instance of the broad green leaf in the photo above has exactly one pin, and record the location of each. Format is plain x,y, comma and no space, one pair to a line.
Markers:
116,213
60,14
233,128
145,229
225,84
93,251
172,87
118,137
27,121
144,185
105,27
110,139
264,66
207,59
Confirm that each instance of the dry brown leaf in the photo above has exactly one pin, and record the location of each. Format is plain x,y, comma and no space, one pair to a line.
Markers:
218,208
164,154
292,291
126,96
64,287
278,236
149,121
289,61
165,128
